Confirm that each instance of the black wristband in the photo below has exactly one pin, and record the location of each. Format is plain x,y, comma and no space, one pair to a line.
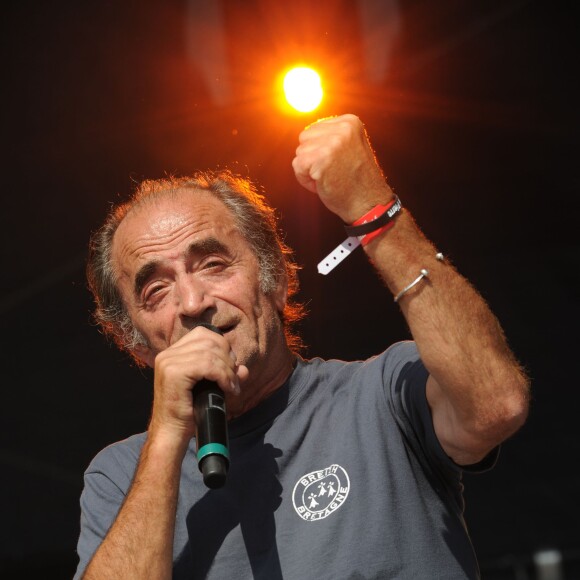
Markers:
388,216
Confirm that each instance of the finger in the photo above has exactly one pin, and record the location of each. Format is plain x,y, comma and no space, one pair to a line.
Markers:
302,173
192,358
241,376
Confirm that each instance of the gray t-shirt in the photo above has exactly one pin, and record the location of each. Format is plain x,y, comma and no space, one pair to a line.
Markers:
337,475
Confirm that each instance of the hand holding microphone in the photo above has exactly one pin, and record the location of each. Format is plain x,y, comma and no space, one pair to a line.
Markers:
199,368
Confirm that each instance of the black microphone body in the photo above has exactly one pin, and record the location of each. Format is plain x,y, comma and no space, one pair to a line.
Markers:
212,430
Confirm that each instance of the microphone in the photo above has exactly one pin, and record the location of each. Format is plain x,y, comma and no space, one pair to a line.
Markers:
211,437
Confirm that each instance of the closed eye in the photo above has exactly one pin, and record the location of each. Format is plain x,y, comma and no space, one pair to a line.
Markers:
152,291
213,263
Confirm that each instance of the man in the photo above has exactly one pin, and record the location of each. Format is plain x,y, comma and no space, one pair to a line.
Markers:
338,470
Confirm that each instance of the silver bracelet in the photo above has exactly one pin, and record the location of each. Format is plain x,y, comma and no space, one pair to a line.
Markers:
424,274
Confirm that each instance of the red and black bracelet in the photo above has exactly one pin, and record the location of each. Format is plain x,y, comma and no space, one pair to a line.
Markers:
375,222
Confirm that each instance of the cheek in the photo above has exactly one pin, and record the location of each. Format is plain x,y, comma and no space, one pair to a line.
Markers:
156,327
268,316
244,293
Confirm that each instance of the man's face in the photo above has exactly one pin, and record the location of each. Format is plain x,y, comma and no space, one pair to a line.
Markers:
180,260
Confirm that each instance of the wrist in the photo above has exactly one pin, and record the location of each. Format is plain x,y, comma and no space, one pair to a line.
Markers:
376,221
361,207
167,442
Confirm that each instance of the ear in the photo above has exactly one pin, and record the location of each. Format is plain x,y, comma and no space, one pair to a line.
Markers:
280,294
144,355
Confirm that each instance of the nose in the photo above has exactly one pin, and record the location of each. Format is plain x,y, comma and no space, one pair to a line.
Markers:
193,297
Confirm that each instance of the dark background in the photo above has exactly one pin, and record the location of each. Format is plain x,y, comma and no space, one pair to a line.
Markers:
472,109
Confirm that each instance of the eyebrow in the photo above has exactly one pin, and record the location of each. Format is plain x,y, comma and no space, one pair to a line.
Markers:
143,274
199,248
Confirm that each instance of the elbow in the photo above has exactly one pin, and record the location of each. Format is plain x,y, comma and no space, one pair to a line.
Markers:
518,405
496,411
493,427
510,411
514,415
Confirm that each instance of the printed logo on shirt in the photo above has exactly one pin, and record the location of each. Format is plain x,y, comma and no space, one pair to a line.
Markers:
319,493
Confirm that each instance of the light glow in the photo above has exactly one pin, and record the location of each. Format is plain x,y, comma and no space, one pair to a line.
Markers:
303,89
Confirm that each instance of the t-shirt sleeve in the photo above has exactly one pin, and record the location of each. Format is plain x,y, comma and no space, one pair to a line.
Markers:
106,482
100,502
405,382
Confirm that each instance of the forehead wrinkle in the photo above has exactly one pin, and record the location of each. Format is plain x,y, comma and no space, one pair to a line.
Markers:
146,242
150,238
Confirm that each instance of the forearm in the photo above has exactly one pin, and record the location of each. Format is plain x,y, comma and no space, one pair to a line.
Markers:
460,341
139,544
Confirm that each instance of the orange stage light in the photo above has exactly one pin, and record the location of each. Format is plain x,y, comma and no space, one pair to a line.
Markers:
302,89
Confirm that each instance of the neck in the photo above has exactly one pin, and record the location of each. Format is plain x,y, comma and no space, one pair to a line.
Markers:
254,391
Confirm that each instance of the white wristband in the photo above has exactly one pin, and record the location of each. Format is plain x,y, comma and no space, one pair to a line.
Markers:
338,255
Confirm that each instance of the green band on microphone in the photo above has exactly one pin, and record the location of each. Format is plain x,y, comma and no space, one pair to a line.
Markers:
213,449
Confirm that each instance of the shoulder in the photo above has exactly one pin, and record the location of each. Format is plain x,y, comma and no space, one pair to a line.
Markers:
393,358
400,360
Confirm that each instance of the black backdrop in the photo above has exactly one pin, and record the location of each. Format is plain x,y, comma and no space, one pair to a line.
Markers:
471,107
